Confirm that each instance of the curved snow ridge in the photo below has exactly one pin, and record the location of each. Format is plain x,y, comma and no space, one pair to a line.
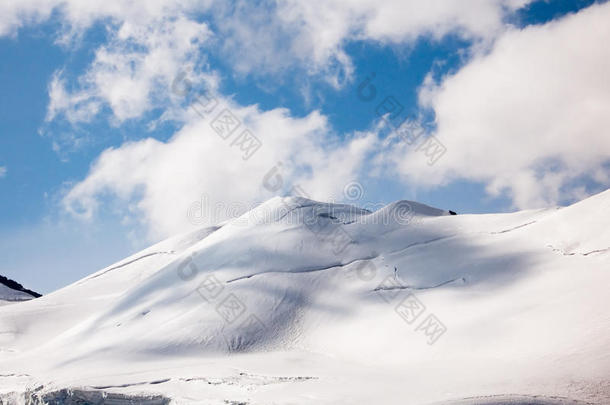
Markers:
123,264
415,207
171,246
514,228
303,270
299,210
403,212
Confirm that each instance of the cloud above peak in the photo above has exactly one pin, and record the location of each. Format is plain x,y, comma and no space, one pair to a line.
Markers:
532,115
261,38
206,165
526,115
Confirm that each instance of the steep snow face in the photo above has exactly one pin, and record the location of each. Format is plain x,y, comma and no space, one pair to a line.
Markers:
304,302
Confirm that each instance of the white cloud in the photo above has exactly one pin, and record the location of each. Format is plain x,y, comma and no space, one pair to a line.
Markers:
266,38
131,74
149,44
3,171
79,15
325,24
312,34
526,117
336,164
80,106
160,181
529,117
509,118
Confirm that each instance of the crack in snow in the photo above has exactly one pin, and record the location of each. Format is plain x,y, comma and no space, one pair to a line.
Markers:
249,379
426,242
596,251
171,252
564,253
411,287
304,270
314,269
326,215
154,382
513,228
293,209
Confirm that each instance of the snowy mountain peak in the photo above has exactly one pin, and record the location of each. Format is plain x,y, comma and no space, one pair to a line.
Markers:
298,211
297,294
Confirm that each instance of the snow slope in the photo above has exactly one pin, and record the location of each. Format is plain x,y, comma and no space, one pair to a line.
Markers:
303,302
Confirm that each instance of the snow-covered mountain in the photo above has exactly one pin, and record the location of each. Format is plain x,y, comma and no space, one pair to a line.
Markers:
11,292
301,302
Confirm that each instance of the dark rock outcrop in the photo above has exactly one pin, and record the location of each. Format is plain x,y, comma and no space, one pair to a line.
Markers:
16,286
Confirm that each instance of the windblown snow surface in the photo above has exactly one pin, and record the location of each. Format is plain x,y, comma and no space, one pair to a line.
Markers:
300,302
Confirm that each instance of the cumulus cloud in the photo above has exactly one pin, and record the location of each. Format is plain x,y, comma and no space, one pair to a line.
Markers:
77,16
312,34
528,118
325,24
262,38
79,106
132,73
149,44
162,182
525,116
147,49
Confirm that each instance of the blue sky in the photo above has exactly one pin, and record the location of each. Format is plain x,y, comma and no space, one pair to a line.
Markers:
277,67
